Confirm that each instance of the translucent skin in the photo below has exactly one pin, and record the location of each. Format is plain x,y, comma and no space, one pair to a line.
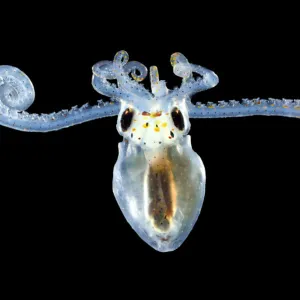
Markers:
155,159
158,180
131,187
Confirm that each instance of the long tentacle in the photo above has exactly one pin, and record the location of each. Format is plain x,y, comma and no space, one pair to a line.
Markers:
17,94
50,122
255,107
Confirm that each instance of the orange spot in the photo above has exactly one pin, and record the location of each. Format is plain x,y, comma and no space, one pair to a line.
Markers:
167,114
170,137
156,114
145,113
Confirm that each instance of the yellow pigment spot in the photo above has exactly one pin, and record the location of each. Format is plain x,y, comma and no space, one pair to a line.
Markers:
156,129
156,114
133,129
210,106
164,124
297,107
174,58
146,125
285,106
145,118
137,78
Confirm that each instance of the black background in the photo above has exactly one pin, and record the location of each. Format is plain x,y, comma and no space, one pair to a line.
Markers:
57,206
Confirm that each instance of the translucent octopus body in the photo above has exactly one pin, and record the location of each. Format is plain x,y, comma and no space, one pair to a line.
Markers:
158,180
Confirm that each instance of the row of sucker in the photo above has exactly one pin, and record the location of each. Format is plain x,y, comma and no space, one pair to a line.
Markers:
246,107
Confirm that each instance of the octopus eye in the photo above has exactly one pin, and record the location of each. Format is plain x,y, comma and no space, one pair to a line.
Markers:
177,118
126,119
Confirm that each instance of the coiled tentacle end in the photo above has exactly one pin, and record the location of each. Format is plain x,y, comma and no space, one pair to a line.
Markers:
16,89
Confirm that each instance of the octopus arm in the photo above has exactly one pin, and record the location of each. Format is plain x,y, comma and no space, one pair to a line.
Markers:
255,107
22,120
17,94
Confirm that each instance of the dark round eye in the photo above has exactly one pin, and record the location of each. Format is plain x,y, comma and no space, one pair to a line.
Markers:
126,119
177,118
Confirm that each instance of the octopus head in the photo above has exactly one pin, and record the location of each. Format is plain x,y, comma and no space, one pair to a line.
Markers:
158,124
